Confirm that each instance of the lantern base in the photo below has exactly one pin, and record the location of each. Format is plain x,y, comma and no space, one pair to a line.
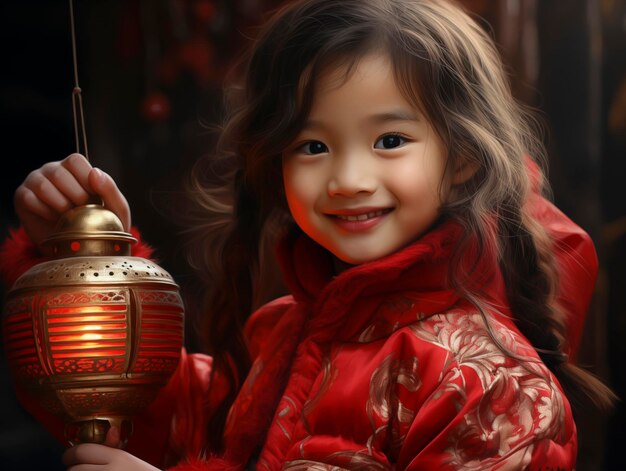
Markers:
95,430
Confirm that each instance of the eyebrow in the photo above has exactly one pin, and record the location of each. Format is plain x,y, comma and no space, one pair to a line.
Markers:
396,115
380,118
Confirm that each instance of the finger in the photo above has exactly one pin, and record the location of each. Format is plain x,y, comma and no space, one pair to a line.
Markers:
47,193
112,197
86,467
66,183
79,167
87,453
26,202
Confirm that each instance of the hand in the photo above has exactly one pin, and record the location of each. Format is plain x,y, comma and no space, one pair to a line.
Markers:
57,187
92,457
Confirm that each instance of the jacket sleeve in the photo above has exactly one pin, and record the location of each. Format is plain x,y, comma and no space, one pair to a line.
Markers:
173,425
257,331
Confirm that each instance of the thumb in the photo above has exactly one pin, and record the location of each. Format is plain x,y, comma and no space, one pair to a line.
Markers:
104,186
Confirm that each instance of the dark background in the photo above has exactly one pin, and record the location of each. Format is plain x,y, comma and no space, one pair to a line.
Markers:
567,58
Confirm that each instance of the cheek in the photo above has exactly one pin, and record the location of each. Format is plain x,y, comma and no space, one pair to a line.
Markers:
297,191
414,183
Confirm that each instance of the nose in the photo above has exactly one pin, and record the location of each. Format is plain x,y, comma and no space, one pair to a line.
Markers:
352,174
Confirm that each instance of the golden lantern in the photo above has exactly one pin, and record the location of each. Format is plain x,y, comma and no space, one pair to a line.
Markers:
93,333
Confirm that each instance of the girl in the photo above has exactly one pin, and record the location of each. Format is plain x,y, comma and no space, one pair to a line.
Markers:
378,143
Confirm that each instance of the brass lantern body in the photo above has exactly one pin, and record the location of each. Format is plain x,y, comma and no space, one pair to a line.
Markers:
94,333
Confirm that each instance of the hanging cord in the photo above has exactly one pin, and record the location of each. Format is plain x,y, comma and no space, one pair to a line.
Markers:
77,99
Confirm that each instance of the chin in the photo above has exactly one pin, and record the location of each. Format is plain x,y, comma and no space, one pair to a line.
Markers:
358,260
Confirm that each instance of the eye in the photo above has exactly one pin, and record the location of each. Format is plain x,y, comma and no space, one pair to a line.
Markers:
390,141
313,148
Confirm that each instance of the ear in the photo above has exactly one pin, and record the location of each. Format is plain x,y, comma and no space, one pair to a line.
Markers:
464,171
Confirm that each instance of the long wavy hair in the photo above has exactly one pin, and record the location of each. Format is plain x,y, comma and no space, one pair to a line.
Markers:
446,64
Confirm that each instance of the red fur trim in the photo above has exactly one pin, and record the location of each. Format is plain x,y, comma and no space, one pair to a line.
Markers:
141,248
18,254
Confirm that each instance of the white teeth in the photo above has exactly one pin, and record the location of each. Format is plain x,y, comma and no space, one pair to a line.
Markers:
362,217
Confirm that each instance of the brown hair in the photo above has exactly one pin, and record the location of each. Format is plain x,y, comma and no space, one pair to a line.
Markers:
447,65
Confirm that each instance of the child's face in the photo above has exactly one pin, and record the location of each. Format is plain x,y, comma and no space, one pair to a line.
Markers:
363,177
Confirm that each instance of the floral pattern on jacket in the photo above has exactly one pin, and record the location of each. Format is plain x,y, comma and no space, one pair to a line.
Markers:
520,405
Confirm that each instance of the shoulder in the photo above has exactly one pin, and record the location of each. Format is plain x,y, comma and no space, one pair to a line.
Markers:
485,347
464,332
262,321
484,363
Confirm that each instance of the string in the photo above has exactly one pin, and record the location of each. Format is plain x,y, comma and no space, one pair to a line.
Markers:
77,99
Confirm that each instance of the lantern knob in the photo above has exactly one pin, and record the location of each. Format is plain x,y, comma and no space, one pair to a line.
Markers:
89,230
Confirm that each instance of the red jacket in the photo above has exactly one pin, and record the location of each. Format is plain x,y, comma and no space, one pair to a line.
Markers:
389,369
381,367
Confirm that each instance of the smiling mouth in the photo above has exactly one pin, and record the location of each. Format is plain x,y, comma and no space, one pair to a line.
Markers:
362,217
